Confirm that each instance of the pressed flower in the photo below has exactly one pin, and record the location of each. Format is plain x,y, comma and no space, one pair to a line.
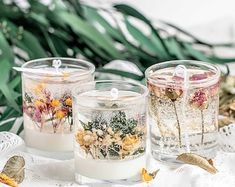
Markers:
59,114
156,91
38,103
38,89
68,102
86,138
130,142
199,99
55,103
173,94
37,116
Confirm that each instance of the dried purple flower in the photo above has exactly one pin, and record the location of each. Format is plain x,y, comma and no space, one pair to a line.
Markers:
37,116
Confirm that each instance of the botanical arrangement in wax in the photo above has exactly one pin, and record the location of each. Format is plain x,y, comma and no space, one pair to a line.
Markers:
47,101
42,108
110,127
69,28
116,137
183,107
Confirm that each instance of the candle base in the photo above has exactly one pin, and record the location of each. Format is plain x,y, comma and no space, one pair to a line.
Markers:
168,153
111,172
83,180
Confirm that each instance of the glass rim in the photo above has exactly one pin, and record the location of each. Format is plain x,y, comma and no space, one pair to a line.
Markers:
90,66
121,82
214,67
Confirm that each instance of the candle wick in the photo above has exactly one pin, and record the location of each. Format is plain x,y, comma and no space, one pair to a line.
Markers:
56,64
114,93
181,70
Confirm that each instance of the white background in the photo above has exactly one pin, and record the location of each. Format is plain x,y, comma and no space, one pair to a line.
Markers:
212,20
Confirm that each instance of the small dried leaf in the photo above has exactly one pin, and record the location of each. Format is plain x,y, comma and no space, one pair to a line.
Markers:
147,177
7,180
14,168
197,160
232,106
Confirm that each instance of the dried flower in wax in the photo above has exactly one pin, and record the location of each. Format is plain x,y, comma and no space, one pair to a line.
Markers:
13,171
199,99
115,138
44,108
130,142
197,160
173,94
55,103
166,93
146,176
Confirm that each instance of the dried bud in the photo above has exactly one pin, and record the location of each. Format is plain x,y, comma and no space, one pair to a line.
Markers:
199,99
173,94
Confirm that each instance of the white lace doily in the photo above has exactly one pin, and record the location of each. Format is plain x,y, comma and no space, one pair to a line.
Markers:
227,138
10,142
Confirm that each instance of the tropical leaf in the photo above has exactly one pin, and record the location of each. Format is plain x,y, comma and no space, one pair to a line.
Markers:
87,30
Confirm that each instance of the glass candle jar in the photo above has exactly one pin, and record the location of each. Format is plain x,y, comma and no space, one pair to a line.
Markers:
47,102
183,108
110,130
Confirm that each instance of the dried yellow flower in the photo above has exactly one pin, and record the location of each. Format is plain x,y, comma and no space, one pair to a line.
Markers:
147,177
55,103
7,180
39,88
59,114
130,142
85,138
68,102
38,103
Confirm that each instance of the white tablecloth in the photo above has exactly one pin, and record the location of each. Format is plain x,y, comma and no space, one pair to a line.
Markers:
46,172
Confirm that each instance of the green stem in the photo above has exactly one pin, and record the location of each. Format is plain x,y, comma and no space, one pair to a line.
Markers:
178,123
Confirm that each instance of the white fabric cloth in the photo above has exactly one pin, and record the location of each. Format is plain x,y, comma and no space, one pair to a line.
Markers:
46,172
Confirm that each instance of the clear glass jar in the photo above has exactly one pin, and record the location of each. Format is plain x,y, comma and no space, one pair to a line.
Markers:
110,130
183,108
47,102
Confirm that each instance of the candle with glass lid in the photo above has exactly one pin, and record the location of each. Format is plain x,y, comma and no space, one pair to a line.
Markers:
110,130
183,108
47,102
